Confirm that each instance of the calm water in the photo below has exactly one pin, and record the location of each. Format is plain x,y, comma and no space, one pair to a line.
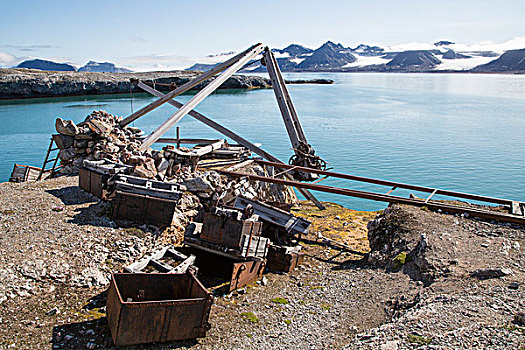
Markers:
459,132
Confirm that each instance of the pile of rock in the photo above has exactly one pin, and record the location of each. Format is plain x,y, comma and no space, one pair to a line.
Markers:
98,137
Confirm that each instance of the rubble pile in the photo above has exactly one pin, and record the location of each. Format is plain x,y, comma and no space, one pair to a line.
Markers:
98,137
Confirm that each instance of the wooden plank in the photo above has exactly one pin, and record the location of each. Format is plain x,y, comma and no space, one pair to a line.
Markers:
228,133
197,152
284,105
185,87
431,195
195,100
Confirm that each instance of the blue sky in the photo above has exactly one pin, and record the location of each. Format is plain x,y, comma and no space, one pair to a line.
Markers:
144,32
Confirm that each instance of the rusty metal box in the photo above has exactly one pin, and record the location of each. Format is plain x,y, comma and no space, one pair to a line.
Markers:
147,308
143,209
283,259
92,182
227,231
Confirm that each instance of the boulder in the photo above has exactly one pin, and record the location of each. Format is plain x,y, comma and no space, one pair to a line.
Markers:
198,184
66,127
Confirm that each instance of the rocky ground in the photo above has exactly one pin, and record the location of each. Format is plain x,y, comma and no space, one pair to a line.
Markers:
29,83
432,280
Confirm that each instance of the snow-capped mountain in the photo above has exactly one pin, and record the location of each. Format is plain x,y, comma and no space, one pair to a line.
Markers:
105,67
335,57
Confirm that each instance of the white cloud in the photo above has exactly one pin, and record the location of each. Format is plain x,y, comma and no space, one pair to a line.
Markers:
513,44
166,62
7,60
516,43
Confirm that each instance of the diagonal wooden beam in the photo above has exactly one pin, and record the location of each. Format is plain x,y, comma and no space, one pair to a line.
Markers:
230,134
201,95
185,87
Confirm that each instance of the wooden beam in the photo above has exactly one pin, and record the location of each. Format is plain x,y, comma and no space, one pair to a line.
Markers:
201,95
283,100
230,134
185,87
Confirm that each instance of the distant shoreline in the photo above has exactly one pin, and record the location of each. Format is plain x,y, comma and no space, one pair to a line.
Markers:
31,83
16,83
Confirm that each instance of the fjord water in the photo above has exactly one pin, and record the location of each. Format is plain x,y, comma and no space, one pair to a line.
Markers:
454,131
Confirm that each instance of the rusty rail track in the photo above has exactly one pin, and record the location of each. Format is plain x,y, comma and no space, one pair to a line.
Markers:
431,204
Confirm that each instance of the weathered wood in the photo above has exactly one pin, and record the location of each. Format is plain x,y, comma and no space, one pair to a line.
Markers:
197,152
284,101
228,133
201,95
185,87
155,259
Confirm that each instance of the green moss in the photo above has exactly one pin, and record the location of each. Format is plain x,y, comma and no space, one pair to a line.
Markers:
401,259
326,306
249,335
417,339
316,287
288,322
280,300
135,231
250,316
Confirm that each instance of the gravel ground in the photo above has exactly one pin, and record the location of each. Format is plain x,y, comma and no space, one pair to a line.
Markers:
57,249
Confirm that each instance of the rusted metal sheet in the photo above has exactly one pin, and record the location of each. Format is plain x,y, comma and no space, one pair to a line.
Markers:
258,247
107,167
143,209
147,308
163,260
290,223
245,272
153,188
94,176
93,182
24,173
228,231
284,259
221,271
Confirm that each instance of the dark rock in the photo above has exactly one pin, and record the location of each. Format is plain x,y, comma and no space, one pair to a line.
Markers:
512,60
519,318
46,65
443,43
327,57
417,59
366,50
452,55
484,274
514,285
294,50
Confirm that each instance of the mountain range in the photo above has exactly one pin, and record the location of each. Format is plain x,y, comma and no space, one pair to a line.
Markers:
442,56
91,66
332,57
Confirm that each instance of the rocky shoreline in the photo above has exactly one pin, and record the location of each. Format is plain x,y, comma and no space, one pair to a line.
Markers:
31,83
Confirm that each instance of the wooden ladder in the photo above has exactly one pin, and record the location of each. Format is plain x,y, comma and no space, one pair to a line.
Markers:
47,160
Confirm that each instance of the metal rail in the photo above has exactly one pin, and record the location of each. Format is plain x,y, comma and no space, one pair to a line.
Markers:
433,205
431,190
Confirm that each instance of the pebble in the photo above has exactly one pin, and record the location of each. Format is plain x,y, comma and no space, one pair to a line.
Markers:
53,311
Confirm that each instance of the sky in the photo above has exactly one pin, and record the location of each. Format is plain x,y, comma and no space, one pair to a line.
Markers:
146,35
